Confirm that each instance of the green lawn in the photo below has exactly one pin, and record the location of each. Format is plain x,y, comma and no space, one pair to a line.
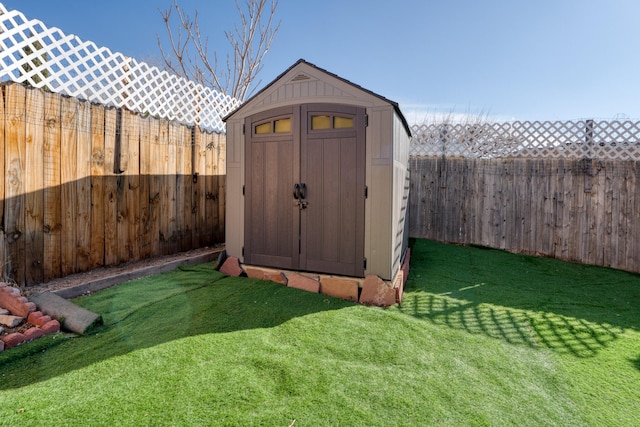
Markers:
483,337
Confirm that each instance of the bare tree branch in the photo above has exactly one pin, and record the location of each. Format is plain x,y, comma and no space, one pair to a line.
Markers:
188,56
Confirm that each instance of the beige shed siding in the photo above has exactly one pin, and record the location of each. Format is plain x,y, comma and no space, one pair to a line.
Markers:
378,234
400,189
297,90
235,180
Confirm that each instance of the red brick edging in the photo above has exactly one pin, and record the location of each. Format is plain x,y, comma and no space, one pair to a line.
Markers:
12,300
374,290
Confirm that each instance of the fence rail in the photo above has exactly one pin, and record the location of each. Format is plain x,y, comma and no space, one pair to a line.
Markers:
586,211
43,57
85,186
602,140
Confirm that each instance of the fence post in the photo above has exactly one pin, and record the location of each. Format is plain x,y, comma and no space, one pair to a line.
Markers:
589,150
588,138
443,138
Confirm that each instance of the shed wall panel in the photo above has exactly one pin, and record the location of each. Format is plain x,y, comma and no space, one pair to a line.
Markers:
400,192
235,181
378,232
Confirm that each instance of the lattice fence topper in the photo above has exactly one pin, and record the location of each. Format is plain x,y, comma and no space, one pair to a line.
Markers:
43,57
615,140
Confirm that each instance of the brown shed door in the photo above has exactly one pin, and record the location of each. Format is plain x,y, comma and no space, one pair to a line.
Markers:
305,189
332,167
272,167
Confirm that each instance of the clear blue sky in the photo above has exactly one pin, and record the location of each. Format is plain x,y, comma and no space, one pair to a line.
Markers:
509,59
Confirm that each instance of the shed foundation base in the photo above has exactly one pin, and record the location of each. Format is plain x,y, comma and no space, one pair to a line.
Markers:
370,290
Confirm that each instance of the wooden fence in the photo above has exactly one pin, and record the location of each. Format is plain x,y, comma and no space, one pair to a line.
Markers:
87,186
586,211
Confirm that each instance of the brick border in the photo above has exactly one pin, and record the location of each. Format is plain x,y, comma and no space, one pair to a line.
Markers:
371,290
12,300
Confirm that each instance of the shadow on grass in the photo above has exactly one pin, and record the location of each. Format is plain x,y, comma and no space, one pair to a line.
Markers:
561,333
190,301
520,299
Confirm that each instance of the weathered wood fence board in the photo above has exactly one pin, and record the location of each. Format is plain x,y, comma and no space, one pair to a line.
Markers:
131,187
68,153
155,187
86,186
171,231
199,187
3,119
110,188
15,141
577,210
34,185
83,187
97,248
144,205
52,207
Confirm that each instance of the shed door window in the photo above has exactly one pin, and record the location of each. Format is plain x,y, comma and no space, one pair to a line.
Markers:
342,122
263,128
324,122
282,125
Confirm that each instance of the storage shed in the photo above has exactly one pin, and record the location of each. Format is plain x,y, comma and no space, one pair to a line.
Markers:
317,177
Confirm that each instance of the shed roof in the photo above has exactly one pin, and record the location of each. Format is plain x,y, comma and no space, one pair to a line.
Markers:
302,61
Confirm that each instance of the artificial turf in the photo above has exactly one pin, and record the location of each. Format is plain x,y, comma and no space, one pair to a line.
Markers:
483,337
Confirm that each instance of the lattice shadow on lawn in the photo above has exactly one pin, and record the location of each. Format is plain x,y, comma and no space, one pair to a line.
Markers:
560,333
538,302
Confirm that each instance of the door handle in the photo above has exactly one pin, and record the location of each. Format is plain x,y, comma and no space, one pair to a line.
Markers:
303,191
296,191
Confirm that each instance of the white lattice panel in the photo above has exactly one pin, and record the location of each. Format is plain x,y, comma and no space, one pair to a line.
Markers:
32,53
568,139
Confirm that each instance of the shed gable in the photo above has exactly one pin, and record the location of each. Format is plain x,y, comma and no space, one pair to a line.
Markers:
304,82
298,84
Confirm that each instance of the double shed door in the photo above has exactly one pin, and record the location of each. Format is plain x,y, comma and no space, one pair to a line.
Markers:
305,189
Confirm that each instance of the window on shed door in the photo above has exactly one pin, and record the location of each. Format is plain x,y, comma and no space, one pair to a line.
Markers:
342,122
273,126
263,128
282,125
322,122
